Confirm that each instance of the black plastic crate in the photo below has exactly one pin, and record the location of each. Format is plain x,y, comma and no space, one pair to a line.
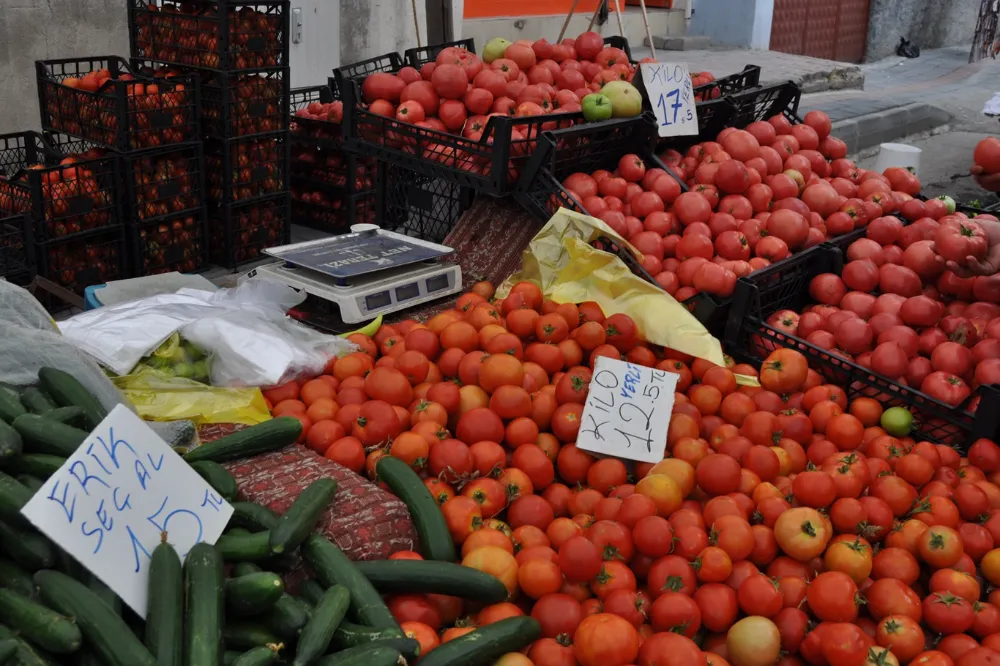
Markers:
173,243
17,260
164,182
246,103
315,209
244,169
88,259
87,97
61,199
220,35
345,173
749,339
763,103
728,85
425,54
422,206
321,131
239,232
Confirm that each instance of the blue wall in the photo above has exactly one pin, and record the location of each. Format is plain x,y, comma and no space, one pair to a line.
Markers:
745,23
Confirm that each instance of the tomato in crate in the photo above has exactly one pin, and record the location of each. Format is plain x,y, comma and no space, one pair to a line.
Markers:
240,231
316,209
317,113
16,251
85,260
241,104
163,182
245,168
176,243
221,34
106,101
64,185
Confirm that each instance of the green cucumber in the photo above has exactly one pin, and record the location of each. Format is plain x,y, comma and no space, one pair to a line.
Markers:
41,465
11,443
35,400
244,548
32,483
318,632
72,415
429,577
217,477
27,654
27,548
287,617
66,391
244,569
264,655
244,635
299,521
253,517
15,578
203,605
436,542
10,406
164,635
105,633
253,593
311,591
42,626
238,531
261,438
229,657
41,435
486,644
13,496
366,655
333,567
7,649
106,594
350,635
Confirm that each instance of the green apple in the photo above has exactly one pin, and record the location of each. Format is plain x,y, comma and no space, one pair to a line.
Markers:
897,421
949,203
495,48
626,101
596,107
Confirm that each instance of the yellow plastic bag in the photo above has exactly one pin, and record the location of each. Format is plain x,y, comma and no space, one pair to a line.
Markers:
160,398
562,262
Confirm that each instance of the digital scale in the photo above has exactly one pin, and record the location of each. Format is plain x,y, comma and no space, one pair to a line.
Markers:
365,273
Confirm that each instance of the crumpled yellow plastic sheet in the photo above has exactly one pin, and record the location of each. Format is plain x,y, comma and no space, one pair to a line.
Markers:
160,398
562,262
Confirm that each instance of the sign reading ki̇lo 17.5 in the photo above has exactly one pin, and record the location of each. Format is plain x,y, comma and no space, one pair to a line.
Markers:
110,503
670,93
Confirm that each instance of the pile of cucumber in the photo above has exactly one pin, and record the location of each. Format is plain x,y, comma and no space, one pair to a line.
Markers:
224,605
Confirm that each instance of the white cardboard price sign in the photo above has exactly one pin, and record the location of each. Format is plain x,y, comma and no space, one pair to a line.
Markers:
668,87
108,505
627,411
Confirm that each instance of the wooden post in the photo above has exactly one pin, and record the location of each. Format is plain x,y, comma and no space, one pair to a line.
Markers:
593,19
618,13
572,10
649,34
416,22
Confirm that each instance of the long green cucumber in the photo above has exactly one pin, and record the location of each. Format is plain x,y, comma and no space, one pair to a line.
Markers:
287,617
243,569
10,405
71,416
217,477
66,391
229,657
333,567
244,548
42,435
32,483
204,606
11,443
164,635
41,465
436,542
486,644
35,400
350,635
264,655
105,633
300,519
106,594
261,438
15,578
327,616
246,635
27,548
41,625
27,654
429,577
253,517
253,593
311,591
366,655
7,649
13,496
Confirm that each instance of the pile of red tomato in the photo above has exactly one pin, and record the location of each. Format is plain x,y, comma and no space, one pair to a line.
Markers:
784,527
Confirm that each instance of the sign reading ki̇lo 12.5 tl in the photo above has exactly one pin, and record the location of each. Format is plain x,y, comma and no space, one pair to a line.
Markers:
627,411
110,503
668,87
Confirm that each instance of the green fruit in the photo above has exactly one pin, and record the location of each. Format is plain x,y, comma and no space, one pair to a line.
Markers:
596,107
949,204
184,370
897,421
169,346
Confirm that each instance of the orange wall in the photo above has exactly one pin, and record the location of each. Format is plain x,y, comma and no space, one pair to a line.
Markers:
492,8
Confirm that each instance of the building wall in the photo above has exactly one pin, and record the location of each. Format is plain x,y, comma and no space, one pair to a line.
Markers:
742,23
930,24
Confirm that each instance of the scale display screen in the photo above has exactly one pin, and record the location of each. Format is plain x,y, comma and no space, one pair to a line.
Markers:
407,291
379,300
437,283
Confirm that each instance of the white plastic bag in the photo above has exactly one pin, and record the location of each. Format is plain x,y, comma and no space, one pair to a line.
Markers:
244,331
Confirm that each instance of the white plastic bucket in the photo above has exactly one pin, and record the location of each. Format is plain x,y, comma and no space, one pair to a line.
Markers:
898,155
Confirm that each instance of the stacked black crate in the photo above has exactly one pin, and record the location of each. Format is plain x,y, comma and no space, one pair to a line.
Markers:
146,120
239,52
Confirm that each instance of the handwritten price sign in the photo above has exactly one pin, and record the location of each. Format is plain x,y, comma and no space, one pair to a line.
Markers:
109,503
627,411
668,87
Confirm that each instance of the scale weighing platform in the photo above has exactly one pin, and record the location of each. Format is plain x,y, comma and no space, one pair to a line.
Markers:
365,273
